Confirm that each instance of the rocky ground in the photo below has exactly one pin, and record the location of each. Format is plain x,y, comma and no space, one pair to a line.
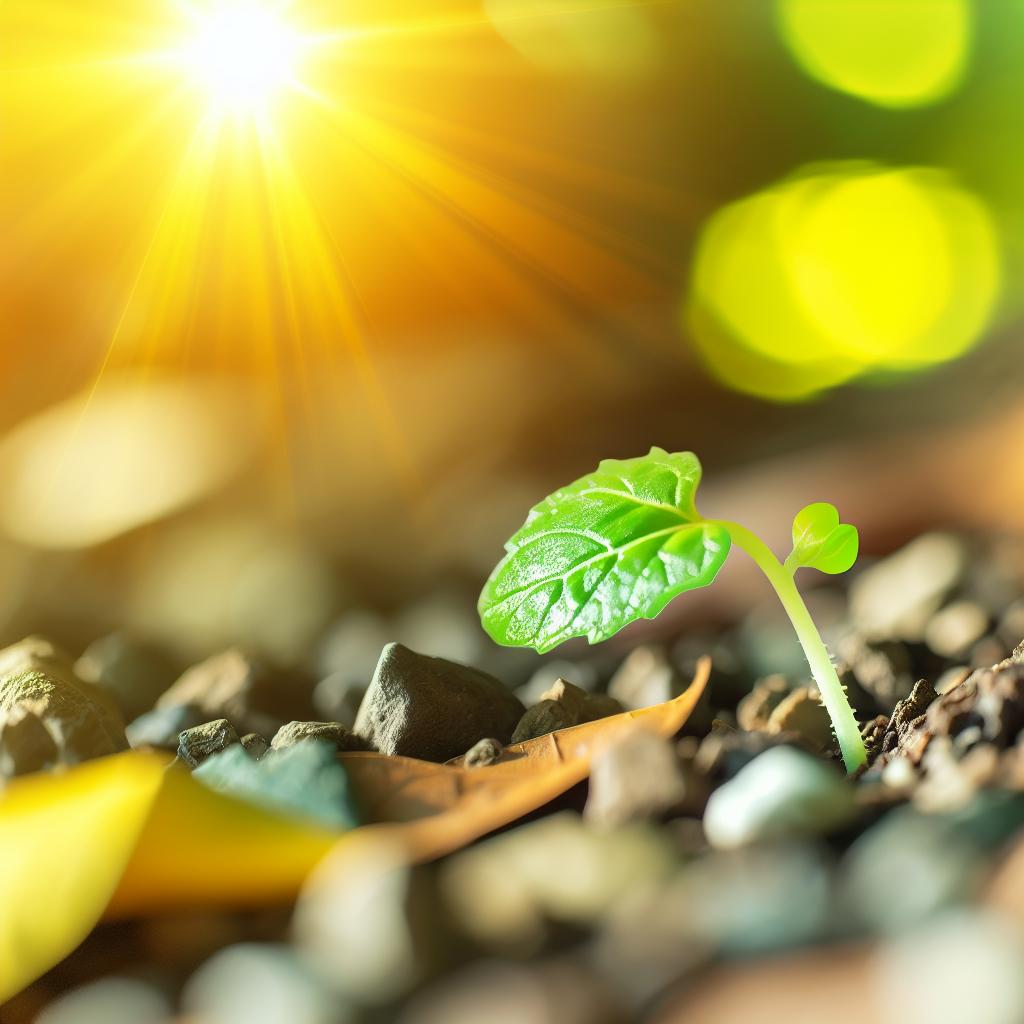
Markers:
731,873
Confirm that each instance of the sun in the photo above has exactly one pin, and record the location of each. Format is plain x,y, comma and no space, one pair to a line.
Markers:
244,54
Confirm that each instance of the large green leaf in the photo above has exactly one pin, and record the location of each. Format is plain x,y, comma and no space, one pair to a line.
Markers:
613,547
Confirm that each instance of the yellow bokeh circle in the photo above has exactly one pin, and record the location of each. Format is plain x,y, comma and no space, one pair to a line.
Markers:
893,53
840,270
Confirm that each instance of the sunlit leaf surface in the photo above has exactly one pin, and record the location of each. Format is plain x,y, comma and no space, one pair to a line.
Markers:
614,546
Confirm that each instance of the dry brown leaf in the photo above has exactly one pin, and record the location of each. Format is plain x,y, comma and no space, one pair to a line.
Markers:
433,809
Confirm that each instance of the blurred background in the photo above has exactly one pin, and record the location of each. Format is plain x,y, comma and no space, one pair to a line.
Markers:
304,304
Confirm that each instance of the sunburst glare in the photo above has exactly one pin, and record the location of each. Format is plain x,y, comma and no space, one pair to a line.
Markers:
244,54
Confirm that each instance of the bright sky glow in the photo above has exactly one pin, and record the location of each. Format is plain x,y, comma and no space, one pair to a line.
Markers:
244,55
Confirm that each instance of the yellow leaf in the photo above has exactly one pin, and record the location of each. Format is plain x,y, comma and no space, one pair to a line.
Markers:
124,835
64,842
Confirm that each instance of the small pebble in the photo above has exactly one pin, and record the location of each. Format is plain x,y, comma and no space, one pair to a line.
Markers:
645,677
328,732
481,754
547,716
254,745
195,745
433,709
258,984
781,793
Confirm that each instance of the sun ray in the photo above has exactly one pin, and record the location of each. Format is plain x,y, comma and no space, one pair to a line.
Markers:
265,187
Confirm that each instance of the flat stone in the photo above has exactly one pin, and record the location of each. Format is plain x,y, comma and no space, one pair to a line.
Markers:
329,732
433,709
304,779
242,689
83,721
195,745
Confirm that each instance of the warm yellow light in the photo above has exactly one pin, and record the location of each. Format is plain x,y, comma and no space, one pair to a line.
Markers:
840,271
244,54
893,53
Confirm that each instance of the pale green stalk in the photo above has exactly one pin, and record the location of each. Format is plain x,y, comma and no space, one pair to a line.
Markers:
851,745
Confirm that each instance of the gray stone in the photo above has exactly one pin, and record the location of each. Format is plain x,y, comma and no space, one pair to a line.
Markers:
635,779
161,727
195,745
329,732
132,672
83,721
305,780
433,709
782,793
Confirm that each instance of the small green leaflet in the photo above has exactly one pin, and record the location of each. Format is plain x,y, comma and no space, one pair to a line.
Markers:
615,546
821,542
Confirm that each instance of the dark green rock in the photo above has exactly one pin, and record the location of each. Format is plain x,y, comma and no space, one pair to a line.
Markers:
305,780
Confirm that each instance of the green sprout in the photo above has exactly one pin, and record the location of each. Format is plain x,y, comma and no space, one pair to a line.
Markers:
620,543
